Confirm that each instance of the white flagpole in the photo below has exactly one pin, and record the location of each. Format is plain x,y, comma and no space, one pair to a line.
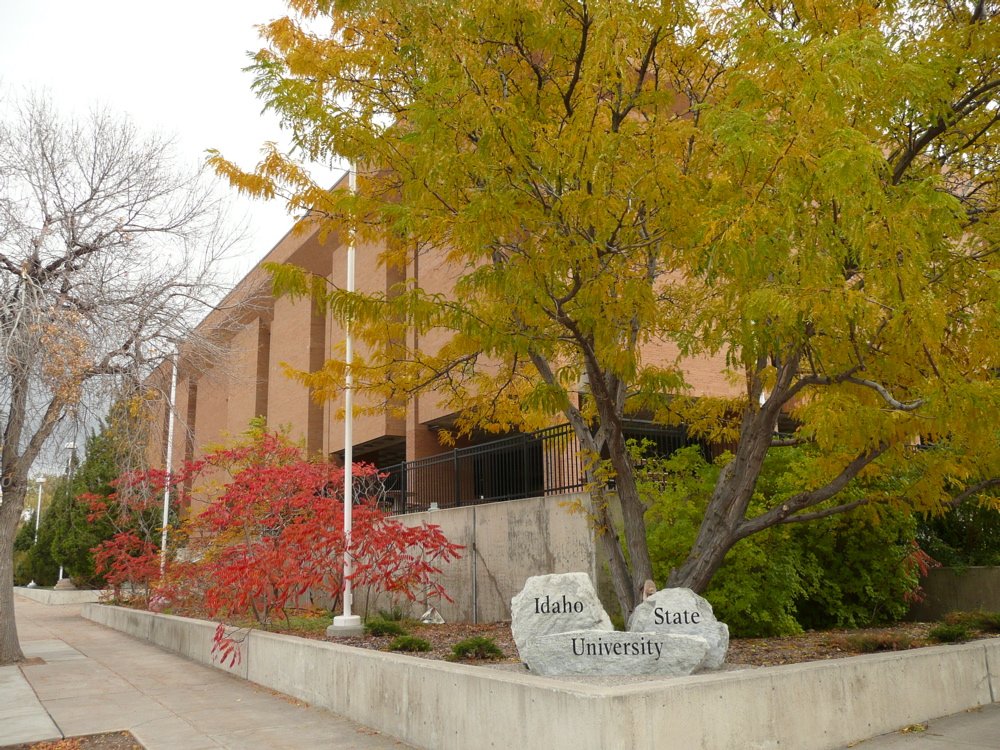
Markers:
170,461
348,623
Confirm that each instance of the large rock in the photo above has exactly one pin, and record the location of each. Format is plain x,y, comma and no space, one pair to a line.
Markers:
599,652
556,603
680,611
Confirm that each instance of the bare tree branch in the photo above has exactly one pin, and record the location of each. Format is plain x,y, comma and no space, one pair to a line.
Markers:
107,256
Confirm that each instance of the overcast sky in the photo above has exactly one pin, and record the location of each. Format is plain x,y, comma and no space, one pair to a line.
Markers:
174,67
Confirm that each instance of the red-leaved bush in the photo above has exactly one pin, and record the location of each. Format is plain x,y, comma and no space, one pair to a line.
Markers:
130,559
272,532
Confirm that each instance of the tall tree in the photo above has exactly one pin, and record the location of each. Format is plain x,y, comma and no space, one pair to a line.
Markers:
69,531
105,248
807,190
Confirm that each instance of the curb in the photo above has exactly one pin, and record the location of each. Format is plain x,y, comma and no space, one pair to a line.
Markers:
51,596
441,706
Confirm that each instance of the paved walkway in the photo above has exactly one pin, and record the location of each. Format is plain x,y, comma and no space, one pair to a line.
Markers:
978,729
85,679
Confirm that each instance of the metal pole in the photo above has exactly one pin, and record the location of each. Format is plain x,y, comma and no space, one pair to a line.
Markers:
70,465
348,623
170,462
38,510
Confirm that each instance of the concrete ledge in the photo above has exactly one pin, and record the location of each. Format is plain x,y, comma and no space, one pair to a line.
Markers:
816,706
50,596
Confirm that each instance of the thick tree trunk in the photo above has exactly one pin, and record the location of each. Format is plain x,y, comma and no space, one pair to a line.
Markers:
726,512
706,555
10,514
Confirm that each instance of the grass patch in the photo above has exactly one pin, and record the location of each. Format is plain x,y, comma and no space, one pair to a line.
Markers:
987,622
303,623
955,633
873,644
377,626
393,614
476,647
409,643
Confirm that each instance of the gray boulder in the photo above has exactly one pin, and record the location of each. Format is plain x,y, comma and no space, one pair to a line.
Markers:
679,611
599,652
556,603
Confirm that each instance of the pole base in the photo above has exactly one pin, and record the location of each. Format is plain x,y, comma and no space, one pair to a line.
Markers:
345,626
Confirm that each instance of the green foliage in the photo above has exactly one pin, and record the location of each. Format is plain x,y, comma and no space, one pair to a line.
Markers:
987,622
22,569
849,570
39,564
805,198
393,614
476,647
68,530
25,538
956,633
311,622
409,643
870,644
867,573
967,535
378,626
65,537
74,534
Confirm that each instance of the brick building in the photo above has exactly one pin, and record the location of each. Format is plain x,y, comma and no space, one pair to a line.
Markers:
253,337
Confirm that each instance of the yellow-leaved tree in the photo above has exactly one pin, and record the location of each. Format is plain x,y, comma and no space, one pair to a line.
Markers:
808,189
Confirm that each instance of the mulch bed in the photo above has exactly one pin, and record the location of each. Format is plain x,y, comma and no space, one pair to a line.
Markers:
443,637
753,652
756,652
105,741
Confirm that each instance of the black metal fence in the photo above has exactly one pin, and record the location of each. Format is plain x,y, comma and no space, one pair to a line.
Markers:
546,462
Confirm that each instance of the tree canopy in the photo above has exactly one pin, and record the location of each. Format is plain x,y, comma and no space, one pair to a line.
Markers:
107,248
804,190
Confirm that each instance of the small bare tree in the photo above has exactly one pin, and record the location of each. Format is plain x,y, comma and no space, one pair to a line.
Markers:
106,249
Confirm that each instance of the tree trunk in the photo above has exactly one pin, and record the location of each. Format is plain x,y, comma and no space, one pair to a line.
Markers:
633,516
706,555
726,511
620,579
10,514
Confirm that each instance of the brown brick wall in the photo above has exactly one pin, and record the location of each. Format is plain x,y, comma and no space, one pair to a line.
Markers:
259,334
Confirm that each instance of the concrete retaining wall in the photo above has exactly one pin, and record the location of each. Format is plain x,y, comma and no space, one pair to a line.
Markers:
505,543
441,706
50,596
958,590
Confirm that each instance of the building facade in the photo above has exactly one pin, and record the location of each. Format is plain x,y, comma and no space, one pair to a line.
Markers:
236,370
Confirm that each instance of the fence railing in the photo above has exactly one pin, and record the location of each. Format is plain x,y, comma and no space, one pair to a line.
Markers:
546,462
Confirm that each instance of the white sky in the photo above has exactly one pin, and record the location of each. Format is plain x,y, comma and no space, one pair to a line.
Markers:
174,67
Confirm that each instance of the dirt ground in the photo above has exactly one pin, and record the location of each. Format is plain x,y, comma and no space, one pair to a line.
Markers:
756,652
106,741
759,652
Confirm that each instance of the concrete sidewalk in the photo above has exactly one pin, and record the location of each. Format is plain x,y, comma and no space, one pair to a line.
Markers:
978,729
83,679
